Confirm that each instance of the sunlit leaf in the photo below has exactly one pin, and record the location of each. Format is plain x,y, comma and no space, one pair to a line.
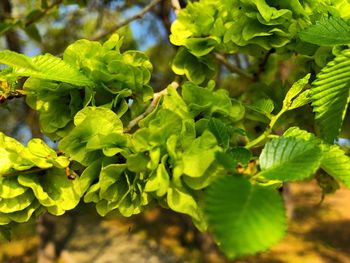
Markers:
244,218
330,31
289,159
331,95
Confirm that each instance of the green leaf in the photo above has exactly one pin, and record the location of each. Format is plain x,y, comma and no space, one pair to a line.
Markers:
160,179
132,70
53,68
56,103
163,124
89,175
295,90
111,144
26,214
201,46
226,160
54,190
4,219
137,162
211,173
245,218
331,95
112,182
114,42
14,59
18,203
196,19
328,31
117,188
220,131
81,51
289,159
180,200
175,103
43,67
14,156
92,194
76,143
240,155
302,99
20,216
334,160
43,156
264,106
10,188
207,102
200,155
195,69
6,160
111,120
336,164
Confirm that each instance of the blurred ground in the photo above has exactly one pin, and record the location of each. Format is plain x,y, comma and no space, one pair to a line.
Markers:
317,234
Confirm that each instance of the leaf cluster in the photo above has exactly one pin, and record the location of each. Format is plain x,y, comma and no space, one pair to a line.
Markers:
187,148
42,187
252,27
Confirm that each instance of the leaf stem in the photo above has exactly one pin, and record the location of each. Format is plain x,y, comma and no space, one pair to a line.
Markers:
268,130
151,107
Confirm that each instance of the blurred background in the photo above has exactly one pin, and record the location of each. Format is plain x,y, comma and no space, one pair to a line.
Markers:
318,232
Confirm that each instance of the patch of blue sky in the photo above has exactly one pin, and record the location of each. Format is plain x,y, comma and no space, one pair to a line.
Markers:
343,142
144,37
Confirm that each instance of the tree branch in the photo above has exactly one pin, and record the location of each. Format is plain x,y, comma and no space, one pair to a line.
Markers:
46,229
11,36
222,59
164,16
262,64
151,107
176,6
42,14
61,244
138,15
267,132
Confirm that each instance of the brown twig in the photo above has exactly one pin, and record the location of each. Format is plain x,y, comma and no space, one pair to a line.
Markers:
222,59
237,60
11,35
42,14
61,244
151,107
138,15
262,64
176,6
164,16
11,95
